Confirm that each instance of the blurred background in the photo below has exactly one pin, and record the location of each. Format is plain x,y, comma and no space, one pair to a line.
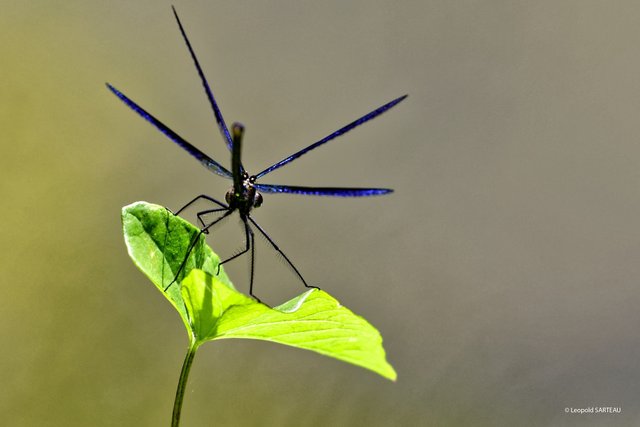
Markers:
502,273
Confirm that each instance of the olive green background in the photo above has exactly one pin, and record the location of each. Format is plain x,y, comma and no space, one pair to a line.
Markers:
502,273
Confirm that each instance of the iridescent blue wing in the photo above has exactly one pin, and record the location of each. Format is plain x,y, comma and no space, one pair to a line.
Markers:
206,161
322,191
375,113
214,105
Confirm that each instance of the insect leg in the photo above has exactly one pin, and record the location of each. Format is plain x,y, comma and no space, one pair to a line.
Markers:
253,257
202,196
207,212
249,238
193,244
247,233
304,282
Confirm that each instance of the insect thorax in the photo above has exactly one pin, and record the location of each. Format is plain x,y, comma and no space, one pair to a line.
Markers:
248,197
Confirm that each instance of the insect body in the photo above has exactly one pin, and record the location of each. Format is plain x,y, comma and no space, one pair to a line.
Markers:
245,195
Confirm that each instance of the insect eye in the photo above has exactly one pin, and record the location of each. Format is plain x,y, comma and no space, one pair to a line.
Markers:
257,200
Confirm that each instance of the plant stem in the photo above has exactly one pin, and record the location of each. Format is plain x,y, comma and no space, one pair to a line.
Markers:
182,383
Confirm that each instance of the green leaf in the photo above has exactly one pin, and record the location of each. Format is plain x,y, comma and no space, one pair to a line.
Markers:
211,309
158,242
312,321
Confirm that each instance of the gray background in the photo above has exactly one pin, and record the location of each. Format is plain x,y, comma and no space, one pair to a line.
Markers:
502,273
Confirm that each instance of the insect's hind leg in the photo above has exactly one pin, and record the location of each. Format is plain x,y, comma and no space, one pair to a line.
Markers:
264,233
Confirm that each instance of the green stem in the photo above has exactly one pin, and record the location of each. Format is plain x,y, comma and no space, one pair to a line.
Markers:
182,383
